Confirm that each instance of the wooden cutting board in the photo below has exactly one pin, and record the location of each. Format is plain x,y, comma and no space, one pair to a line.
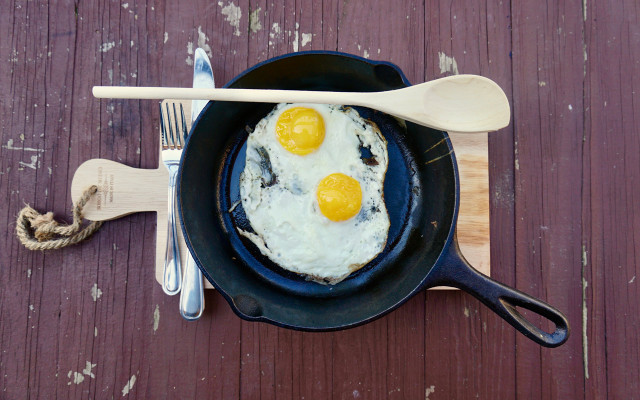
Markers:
123,190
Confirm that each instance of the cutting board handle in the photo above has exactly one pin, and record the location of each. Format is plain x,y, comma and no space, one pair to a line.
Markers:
122,189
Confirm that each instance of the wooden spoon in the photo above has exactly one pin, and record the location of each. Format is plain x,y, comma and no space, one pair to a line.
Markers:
458,103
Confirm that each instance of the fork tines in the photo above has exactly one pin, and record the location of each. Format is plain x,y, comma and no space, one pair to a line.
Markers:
172,138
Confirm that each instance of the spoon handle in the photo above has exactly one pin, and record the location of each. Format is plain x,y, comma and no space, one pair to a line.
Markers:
242,95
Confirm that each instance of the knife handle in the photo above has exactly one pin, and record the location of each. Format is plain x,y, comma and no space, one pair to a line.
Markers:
192,293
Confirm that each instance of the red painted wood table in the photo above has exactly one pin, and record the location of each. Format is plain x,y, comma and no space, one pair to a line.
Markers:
89,321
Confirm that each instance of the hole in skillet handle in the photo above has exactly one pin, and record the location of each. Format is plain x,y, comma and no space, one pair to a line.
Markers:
454,270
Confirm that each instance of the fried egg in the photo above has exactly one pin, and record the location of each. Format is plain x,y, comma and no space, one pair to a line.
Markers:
312,190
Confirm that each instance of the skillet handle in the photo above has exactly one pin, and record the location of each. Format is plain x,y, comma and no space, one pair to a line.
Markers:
455,271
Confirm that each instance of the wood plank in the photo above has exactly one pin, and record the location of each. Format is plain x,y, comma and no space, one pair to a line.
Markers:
278,363
548,122
383,359
30,302
112,130
474,38
215,342
611,166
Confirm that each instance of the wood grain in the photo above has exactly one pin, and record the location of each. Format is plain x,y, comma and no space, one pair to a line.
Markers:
610,213
548,82
563,203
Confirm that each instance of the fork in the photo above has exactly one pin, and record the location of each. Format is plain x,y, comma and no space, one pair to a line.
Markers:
172,142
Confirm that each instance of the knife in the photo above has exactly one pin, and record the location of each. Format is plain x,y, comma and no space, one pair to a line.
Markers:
192,294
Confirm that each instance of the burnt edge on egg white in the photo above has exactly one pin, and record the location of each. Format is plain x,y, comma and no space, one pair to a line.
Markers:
366,157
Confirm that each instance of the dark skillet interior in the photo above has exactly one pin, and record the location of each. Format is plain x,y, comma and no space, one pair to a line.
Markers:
419,196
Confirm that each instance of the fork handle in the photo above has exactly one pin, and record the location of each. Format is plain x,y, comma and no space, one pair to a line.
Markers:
192,293
172,281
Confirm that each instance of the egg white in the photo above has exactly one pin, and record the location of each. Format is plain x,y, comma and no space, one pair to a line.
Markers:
278,194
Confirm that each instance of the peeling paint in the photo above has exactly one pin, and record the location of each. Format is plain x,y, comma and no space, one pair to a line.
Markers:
584,55
585,341
466,312
104,47
127,388
166,37
33,165
202,42
189,60
125,5
275,33
295,39
365,54
156,318
78,378
254,21
306,38
9,146
632,279
447,64
542,83
232,14
431,389
96,293
87,369
275,29
95,331
585,316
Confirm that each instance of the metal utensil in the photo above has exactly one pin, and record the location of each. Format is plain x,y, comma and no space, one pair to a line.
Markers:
172,132
192,294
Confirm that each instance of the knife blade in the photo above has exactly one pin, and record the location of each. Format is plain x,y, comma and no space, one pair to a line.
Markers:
202,78
192,294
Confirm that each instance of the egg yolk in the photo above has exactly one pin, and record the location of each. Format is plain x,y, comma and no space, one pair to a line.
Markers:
300,130
339,197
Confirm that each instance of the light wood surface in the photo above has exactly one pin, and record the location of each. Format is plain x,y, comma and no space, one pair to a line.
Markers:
461,103
124,190
473,218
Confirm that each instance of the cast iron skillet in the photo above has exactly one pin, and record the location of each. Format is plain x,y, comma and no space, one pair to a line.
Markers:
421,192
